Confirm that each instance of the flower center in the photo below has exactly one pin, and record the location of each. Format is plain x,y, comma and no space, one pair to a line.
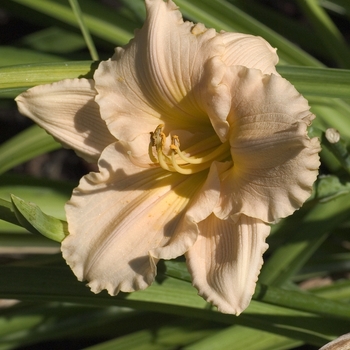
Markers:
179,161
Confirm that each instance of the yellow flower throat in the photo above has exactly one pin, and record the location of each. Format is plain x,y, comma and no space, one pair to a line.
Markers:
177,161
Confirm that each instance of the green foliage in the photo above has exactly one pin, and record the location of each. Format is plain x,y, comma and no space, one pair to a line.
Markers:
313,244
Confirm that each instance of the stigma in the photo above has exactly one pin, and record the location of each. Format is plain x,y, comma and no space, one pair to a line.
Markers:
176,160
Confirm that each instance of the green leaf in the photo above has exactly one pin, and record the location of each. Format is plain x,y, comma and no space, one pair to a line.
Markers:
6,212
290,27
338,290
244,338
331,113
16,79
137,7
170,296
26,145
342,6
325,263
100,21
27,243
324,82
318,81
26,324
303,301
48,194
222,15
164,337
296,299
328,187
52,39
330,37
32,218
11,56
313,223
338,147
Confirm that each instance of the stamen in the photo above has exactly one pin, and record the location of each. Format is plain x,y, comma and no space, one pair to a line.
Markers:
211,156
181,163
162,158
189,169
158,136
150,150
157,140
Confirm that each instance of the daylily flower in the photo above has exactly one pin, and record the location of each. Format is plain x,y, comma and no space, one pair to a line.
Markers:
200,146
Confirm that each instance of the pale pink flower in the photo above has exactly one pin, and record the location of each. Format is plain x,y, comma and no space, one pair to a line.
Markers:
200,146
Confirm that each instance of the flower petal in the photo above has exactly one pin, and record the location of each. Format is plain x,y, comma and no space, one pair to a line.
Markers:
156,77
67,111
240,49
226,259
275,162
249,51
200,207
117,216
